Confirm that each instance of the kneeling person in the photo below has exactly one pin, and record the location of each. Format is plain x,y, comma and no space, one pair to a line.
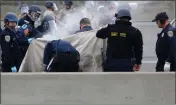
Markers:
61,56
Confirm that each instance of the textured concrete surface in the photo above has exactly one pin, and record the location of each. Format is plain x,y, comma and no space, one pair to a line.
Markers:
88,88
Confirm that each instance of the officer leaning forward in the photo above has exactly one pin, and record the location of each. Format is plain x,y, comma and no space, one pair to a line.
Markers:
31,19
11,54
163,44
124,41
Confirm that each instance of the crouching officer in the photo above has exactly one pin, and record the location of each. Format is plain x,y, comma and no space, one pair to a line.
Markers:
61,56
11,54
163,44
124,41
31,19
85,25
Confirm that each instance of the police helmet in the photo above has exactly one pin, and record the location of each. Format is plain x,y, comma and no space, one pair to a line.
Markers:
48,22
35,8
11,17
51,4
123,13
68,2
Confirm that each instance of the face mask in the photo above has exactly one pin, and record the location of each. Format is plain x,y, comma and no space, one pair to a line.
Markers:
34,16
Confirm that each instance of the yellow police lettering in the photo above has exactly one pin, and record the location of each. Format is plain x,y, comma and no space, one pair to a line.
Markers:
123,34
114,34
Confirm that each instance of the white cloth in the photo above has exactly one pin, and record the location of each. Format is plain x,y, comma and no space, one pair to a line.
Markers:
86,43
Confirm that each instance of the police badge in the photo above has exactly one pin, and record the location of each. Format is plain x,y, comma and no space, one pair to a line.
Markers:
7,38
162,35
170,34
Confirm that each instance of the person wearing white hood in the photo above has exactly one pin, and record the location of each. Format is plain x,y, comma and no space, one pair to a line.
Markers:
51,7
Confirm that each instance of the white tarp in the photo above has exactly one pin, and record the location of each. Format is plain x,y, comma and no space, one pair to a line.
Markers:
85,42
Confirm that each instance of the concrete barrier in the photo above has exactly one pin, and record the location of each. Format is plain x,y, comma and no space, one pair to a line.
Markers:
88,88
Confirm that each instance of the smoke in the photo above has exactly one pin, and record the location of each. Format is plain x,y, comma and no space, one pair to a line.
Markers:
100,14
71,21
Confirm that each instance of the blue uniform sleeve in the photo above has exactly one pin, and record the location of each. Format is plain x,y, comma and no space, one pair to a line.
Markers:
48,53
103,33
21,22
171,41
22,39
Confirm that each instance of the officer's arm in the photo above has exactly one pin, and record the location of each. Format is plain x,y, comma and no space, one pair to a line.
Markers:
171,44
22,39
102,33
21,22
48,52
138,47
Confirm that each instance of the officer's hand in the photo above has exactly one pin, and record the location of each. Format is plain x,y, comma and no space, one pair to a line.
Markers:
167,67
14,69
137,67
30,40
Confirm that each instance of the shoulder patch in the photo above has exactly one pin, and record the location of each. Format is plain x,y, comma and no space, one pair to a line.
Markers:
7,38
170,33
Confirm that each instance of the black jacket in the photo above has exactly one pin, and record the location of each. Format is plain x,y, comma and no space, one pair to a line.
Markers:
124,41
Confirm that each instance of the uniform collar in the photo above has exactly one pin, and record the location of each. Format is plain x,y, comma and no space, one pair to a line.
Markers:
166,28
123,22
87,27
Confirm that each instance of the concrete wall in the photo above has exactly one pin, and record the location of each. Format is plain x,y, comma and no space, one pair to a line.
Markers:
88,88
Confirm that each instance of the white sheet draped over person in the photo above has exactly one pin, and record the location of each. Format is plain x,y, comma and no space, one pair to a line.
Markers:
86,43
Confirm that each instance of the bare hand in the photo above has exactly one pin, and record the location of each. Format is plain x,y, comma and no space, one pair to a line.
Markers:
137,67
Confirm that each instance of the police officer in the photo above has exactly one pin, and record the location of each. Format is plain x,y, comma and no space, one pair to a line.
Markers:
61,56
24,8
30,19
48,25
85,25
11,54
124,41
51,8
163,41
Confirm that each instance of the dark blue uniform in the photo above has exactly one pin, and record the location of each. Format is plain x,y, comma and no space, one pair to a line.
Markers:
124,41
26,20
163,47
85,28
66,57
11,53
34,32
172,53
0,30
22,41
